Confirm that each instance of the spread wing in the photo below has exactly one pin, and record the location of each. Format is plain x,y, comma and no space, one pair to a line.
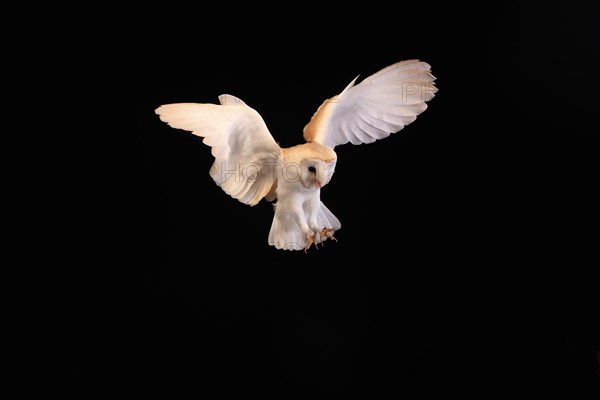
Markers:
244,149
380,105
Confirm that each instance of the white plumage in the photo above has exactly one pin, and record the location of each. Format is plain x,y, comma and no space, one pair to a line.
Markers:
249,165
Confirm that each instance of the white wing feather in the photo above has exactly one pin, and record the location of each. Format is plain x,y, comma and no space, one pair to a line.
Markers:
380,105
244,149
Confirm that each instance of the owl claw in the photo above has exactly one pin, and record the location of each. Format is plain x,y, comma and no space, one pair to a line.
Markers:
310,239
327,233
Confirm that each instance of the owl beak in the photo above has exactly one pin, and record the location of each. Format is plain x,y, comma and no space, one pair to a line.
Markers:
318,183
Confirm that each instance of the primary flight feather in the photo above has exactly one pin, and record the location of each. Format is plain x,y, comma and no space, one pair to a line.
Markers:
249,165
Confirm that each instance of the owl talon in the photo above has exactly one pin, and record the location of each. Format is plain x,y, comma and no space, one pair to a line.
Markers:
310,239
327,233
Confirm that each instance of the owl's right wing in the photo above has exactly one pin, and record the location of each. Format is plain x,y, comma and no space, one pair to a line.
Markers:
380,105
245,152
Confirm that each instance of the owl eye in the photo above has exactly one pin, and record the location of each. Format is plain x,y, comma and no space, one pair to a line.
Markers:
312,169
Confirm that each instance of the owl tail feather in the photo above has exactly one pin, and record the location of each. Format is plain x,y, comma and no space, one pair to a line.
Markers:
286,234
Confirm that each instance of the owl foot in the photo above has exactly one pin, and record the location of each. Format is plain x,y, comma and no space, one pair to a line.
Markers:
310,239
327,233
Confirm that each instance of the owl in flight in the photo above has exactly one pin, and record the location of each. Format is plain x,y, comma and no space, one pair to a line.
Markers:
249,165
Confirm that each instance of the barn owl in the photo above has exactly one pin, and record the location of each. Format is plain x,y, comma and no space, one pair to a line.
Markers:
250,166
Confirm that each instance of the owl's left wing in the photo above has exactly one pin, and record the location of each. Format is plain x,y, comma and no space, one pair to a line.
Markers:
380,105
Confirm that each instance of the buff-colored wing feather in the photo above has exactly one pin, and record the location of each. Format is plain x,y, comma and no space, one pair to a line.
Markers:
244,149
380,105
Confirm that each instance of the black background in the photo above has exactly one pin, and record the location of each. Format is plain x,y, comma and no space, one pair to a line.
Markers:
461,265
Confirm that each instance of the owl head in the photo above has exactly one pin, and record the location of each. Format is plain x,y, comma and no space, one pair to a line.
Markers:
315,173
311,164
